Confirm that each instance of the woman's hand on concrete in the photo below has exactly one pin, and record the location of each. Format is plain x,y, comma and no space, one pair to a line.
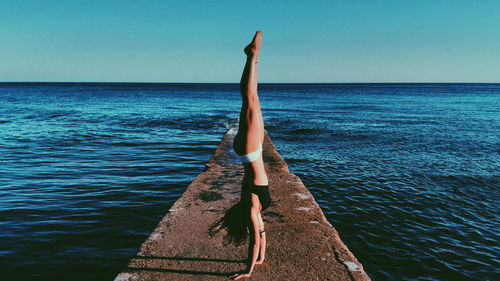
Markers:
239,276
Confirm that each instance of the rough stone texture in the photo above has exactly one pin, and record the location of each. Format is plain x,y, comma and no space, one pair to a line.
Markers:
302,244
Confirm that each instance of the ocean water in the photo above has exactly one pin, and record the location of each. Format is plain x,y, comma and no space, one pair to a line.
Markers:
409,174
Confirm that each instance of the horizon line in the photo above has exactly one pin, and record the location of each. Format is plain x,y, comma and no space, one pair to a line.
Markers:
150,82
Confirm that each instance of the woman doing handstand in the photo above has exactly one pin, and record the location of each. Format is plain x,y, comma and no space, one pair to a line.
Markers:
248,145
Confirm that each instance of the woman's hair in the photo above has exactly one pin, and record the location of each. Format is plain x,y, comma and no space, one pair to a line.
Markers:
236,222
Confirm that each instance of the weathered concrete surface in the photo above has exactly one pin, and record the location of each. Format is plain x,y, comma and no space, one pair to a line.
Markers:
302,244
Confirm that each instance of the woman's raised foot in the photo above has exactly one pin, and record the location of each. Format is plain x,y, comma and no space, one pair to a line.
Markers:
253,49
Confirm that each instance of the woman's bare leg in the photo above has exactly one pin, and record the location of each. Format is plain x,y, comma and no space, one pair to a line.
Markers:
251,126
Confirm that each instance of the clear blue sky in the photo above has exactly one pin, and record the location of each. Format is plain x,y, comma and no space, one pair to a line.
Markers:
202,41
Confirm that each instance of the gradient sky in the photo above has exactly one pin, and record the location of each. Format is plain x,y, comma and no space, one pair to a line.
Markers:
202,41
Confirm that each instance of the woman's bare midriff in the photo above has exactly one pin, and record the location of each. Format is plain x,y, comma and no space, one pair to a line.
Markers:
256,170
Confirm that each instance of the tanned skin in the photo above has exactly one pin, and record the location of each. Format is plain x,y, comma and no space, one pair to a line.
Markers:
249,138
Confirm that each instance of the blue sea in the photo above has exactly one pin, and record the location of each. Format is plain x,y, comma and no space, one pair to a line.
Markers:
409,174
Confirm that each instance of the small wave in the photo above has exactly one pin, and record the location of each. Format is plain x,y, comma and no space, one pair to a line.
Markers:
349,137
407,121
304,131
194,121
41,115
133,144
358,108
139,122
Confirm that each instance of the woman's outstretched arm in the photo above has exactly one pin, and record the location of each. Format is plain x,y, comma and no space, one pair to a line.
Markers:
262,233
253,247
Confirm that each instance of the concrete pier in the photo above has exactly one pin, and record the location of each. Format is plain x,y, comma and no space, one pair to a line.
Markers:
302,244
